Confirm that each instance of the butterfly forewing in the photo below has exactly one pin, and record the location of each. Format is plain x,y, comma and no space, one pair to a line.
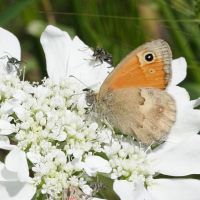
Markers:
135,71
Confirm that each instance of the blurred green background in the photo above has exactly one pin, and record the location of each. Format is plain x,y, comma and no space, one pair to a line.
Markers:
117,26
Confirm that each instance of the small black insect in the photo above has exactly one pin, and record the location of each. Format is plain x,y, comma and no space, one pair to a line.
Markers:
12,62
102,55
97,187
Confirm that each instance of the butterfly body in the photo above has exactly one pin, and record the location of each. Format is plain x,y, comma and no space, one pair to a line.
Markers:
133,98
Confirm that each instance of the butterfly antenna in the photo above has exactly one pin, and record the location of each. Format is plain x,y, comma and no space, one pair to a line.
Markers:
75,94
78,80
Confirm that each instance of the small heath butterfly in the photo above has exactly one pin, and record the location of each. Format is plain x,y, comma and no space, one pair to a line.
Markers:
133,98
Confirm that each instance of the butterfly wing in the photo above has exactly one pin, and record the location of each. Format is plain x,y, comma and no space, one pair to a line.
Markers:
145,113
147,66
133,97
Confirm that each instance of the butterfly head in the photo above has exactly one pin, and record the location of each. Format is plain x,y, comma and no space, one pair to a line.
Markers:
90,96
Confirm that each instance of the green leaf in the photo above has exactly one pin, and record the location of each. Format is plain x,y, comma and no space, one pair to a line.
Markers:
13,11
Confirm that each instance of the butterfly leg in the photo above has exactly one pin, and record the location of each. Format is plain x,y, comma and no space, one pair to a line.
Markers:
111,128
88,115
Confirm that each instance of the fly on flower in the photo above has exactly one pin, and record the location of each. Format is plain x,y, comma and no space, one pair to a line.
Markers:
102,55
97,187
12,62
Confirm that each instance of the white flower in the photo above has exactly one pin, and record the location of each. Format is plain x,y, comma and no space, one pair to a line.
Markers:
187,119
9,47
60,142
70,57
14,176
181,160
50,125
178,156
94,164
6,127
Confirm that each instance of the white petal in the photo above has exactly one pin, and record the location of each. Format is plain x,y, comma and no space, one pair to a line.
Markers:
34,158
16,190
195,103
179,67
105,135
41,90
166,146
4,124
148,196
10,44
6,127
20,112
78,153
61,137
78,165
86,189
7,146
187,119
89,171
20,95
81,66
6,175
4,140
16,162
56,45
129,190
183,159
8,106
180,95
175,189
69,151
98,164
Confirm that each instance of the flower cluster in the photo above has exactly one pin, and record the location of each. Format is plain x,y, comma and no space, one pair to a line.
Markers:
129,161
64,147
50,125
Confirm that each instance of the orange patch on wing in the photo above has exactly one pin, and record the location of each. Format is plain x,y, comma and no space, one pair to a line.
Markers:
132,75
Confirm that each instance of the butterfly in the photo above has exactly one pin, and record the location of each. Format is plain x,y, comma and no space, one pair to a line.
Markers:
133,98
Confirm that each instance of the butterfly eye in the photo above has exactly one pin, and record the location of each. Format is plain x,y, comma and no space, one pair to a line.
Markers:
149,56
